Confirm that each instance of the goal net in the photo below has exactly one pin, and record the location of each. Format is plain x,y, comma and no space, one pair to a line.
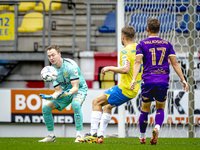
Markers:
180,25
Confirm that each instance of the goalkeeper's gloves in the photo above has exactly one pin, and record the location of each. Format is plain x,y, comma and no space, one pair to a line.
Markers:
64,93
47,97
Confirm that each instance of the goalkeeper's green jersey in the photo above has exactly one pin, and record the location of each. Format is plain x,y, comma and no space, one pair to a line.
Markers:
68,72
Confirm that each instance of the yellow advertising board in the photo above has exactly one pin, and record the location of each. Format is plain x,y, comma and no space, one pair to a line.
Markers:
7,26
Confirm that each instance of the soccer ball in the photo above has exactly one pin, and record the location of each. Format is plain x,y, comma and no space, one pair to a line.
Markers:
49,74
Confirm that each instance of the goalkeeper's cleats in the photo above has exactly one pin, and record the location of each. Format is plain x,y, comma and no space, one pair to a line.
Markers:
154,137
48,139
89,138
77,138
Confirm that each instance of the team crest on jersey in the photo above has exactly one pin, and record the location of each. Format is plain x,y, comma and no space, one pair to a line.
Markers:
124,52
124,57
65,74
138,49
75,72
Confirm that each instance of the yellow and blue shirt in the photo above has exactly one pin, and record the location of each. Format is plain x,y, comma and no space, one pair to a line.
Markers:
128,54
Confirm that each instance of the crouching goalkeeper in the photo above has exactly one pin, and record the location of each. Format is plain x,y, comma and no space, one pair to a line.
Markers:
70,87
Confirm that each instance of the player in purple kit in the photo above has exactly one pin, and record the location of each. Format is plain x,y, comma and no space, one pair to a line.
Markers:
154,53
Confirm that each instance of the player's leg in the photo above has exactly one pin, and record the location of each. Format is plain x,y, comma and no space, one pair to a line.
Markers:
160,97
49,122
77,101
78,117
97,104
115,97
159,118
105,119
146,103
112,96
109,99
143,120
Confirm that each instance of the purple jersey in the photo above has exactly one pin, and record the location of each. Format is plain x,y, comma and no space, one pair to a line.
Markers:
155,53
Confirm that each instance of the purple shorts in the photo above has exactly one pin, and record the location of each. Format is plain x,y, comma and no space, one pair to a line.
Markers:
154,91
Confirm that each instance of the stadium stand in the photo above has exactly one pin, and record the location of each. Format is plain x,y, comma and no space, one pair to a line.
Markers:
6,66
24,6
183,7
4,7
107,80
184,27
180,7
109,24
198,8
154,7
102,60
139,21
167,22
54,6
131,7
31,22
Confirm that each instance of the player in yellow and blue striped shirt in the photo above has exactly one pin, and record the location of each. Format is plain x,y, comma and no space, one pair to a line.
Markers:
118,94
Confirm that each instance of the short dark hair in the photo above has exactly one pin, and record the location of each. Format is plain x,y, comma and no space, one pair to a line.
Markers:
153,25
128,32
54,46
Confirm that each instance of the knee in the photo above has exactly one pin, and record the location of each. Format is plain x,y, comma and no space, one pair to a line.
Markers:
160,105
107,107
145,108
46,109
96,102
76,105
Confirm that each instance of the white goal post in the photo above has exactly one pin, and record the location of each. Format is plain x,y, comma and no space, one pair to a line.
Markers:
180,25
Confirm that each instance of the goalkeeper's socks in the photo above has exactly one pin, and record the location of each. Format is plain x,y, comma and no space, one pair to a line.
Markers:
143,121
78,116
95,118
159,118
105,119
51,133
48,118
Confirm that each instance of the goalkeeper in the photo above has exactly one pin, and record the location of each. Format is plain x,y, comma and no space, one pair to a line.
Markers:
70,87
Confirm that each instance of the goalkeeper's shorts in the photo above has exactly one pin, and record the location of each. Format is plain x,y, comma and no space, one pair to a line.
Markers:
63,102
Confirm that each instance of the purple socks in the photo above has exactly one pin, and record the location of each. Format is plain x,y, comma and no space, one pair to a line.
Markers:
159,117
143,121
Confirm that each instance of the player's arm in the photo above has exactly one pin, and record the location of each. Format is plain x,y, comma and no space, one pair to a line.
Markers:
58,90
136,69
75,86
178,70
73,90
122,70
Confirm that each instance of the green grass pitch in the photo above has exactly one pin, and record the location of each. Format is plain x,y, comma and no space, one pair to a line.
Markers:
109,144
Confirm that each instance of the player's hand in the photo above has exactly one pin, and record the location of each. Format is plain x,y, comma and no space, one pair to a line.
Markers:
185,86
47,97
64,93
104,70
132,85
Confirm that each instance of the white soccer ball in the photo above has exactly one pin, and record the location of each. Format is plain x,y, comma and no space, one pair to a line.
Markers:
49,74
